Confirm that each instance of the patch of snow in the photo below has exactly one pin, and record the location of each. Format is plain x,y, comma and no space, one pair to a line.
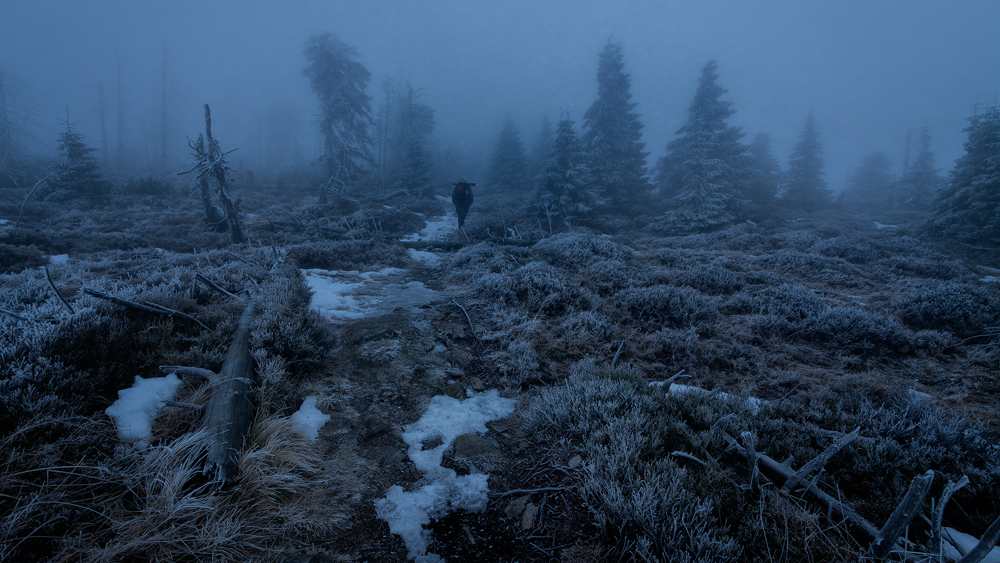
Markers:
308,419
437,229
349,295
426,258
407,512
59,259
880,226
753,402
951,535
4,222
138,406
990,279
919,394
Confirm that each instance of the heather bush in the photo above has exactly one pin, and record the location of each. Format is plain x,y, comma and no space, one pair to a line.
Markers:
790,301
863,332
361,255
854,249
963,309
711,279
936,268
529,285
610,276
471,262
16,258
576,249
674,307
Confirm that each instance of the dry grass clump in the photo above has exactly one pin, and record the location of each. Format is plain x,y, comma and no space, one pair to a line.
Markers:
711,279
674,307
575,250
790,301
361,255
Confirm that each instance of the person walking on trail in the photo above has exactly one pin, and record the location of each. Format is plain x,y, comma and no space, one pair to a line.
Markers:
461,196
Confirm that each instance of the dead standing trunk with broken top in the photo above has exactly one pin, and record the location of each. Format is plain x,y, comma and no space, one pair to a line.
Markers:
231,408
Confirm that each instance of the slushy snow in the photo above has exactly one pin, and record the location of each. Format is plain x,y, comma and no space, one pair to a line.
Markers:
428,259
139,405
308,419
439,228
407,512
59,259
351,295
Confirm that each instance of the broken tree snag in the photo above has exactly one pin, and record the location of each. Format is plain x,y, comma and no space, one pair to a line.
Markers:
904,513
985,545
938,517
217,168
231,406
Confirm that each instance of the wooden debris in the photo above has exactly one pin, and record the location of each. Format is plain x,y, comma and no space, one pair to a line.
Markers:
206,374
885,540
52,284
214,286
819,461
146,307
231,407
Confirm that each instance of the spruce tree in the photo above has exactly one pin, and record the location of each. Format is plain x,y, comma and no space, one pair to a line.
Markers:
565,191
416,122
508,170
968,208
871,187
767,175
921,181
705,173
544,143
805,188
613,134
339,81
79,175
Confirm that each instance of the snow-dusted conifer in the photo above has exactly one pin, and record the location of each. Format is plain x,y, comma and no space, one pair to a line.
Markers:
79,175
509,168
871,187
968,208
705,173
613,134
767,175
564,191
922,181
805,188
544,142
345,109
416,122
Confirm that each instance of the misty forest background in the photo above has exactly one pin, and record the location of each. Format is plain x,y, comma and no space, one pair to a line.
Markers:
854,321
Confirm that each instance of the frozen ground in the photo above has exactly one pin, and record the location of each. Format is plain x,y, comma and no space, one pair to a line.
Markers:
439,228
350,295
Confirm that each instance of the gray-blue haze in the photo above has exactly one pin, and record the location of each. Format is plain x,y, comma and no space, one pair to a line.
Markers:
868,70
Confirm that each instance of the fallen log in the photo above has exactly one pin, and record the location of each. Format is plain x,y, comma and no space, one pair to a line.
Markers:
230,409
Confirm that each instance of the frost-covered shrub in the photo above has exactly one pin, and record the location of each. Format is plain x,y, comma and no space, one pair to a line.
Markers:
521,363
858,331
789,301
576,250
145,185
963,309
854,249
609,276
470,263
348,255
711,279
800,241
382,221
673,345
16,258
926,268
584,328
672,306
531,285
807,262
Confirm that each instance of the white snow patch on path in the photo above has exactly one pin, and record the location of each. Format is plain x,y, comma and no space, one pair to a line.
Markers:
138,406
59,259
439,228
349,295
426,258
968,542
407,512
308,419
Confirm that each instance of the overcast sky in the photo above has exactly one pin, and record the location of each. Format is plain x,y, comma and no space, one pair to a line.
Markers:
869,70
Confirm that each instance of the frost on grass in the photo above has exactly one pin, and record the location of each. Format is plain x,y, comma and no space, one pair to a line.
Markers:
407,512
138,406
308,419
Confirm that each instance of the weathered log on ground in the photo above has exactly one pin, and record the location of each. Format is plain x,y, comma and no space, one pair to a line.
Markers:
231,407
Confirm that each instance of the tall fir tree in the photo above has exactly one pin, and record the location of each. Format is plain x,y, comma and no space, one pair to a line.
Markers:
767,175
968,208
805,187
544,143
613,134
339,81
509,167
565,191
79,175
706,171
921,181
871,187
416,122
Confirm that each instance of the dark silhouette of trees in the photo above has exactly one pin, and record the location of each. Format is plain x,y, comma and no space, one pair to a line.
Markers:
967,208
613,134
416,122
871,187
805,188
767,177
565,191
544,143
705,173
339,81
509,167
921,181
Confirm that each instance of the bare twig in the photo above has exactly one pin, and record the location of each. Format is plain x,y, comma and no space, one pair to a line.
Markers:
527,491
182,371
25,202
903,514
15,315
56,291
212,285
687,456
468,318
752,459
819,461
172,313
147,307
183,405
938,516
617,354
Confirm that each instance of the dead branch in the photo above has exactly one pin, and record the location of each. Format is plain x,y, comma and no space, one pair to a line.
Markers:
15,315
27,197
214,286
687,456
207,375
819,461
985,544
183,405
618,353
938,516
900,518
231,406
467,318
146,308
56,291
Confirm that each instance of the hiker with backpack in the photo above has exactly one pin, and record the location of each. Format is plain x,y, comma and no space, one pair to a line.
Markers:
461,196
